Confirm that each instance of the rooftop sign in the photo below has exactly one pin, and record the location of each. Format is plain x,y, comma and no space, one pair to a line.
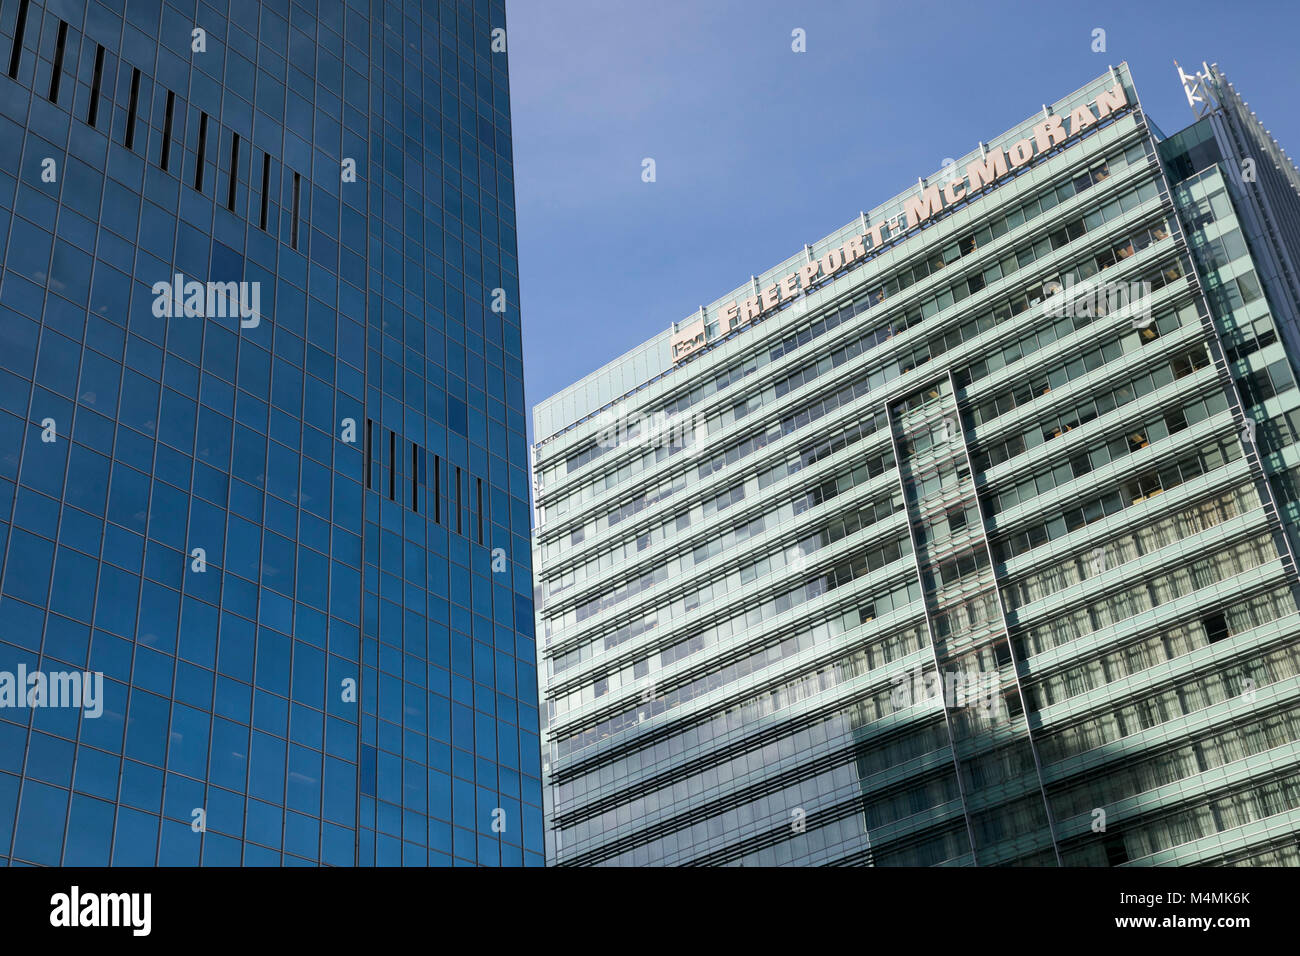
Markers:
996,164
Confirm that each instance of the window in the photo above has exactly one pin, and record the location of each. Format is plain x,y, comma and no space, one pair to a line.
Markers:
92,112
164,157
1216,626
437,489
15,55
202,151
133,105
293,231
56,74
266,189
234,172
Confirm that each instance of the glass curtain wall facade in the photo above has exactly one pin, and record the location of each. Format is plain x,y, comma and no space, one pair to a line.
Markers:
946,542
1239,196
262,453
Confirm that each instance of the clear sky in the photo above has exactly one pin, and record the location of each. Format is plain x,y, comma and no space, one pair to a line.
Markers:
759,149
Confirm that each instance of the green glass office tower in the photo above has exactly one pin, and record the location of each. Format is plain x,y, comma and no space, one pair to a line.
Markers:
1237,191
262,457
954,539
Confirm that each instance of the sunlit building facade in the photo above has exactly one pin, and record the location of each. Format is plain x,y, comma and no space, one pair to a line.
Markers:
958,538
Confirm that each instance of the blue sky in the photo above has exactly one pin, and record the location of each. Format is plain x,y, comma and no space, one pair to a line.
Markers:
759,149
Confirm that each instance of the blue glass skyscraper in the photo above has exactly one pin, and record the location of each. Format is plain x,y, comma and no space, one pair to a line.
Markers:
265,595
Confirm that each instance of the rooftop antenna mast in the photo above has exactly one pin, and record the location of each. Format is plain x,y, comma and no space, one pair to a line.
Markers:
1198,89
